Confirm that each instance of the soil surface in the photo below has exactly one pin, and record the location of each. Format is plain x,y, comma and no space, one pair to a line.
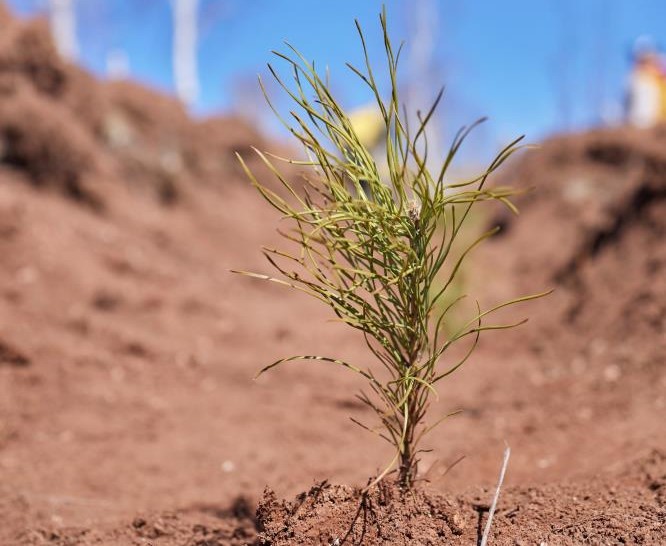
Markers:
617,508
128,412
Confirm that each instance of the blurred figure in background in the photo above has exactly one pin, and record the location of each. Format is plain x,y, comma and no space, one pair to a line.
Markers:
646,98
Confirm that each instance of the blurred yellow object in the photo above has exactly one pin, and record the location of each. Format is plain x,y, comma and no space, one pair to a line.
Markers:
368,124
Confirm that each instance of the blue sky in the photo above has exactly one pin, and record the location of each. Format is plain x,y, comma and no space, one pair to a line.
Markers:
532,66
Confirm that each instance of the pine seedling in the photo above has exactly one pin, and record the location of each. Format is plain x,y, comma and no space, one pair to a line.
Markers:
378,248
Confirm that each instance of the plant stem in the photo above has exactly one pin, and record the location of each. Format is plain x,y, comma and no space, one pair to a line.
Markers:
408,463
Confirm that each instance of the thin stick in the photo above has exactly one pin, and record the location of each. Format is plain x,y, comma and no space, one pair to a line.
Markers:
493,506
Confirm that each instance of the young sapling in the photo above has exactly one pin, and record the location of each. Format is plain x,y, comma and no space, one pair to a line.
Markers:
376,244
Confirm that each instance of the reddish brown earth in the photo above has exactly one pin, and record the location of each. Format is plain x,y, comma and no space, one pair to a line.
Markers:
618,508
128,413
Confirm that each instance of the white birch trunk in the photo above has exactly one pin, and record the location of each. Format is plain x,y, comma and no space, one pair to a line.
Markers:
185,50
422,89
62,18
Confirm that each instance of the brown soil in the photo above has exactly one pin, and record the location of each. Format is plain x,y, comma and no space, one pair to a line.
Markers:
589,511
127,410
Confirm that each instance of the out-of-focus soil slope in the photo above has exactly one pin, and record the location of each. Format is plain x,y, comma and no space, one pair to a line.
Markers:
590,367
128,413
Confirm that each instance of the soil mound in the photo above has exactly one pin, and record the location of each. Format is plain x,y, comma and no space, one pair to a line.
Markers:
329,514
63,129
587,191
625,508
595,225
590,193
